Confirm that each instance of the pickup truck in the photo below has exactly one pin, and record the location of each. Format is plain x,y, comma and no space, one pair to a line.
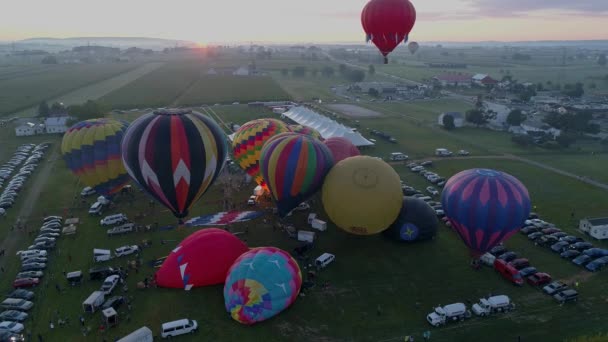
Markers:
122,229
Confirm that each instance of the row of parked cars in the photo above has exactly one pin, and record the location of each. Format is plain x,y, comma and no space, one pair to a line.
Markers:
515,269
24,160
428,175
413,192
580,252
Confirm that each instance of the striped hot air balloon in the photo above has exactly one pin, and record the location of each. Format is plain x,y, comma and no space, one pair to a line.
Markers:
260,284
175,156
91,150
306,130
485,207
294,167
248,142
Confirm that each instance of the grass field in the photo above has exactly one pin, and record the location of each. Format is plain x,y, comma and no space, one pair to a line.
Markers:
588,165
24,89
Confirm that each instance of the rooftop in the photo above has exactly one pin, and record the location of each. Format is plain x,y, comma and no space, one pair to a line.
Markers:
598,221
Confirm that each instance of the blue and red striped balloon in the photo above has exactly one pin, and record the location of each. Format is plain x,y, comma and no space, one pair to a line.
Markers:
485,207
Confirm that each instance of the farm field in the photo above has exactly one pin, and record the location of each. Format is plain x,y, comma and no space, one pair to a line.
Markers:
28,88
586,165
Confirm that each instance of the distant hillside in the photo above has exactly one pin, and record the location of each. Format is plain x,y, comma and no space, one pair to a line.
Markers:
119,42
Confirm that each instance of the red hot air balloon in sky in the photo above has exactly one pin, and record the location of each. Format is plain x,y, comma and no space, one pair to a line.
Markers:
388,23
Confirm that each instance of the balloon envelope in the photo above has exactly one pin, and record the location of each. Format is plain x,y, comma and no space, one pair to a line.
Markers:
387,23
175,156
261,283
413,47
416,221
201,259
248,142
294,167
306,130
341,148
362,195
485,207
91,150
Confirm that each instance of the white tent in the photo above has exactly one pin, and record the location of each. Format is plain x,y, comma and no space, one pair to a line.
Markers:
325,126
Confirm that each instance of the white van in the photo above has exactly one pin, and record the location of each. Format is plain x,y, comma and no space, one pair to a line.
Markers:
96,208
93,302
101,255
396,156
179,327
113,219
324,260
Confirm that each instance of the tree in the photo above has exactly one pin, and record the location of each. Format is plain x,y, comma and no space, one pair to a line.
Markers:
88,110
574,90
57,108
602,60
516,117
476,116
284,72
371,69
299,71
49,60
43,109
327,71
565,139
448,122
355,75
373,92
540,86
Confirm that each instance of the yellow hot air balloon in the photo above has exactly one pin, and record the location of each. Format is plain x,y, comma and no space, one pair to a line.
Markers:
362,195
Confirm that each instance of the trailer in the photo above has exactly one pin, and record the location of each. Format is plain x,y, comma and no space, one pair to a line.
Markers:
93,302
493,305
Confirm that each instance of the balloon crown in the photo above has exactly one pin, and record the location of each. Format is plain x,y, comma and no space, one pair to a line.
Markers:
172,111
488,172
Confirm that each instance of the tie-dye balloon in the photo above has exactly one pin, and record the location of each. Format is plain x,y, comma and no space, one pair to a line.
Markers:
306,131
91,150
294,167
248,142
485,207
260,284
175,156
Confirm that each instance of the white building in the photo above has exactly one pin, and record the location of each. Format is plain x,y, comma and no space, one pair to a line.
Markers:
24,130
458,118
56,124
596,227
242,71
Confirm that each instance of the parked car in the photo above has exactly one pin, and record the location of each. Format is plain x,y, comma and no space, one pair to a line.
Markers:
88,191
16,304
432,191
597,264
33,267
463,153
548,231
427,163
30,274
539,279
38,259
113,302
113,220
570,254
527,271
13,327
535,236
581,246
596,252
110,283
508,256
520,263
498,250
554,287
560,246
582,260
25,282
527,230
508,272
559,235
102,272
126,250
568,295
571,239
547,240
21,294
13,316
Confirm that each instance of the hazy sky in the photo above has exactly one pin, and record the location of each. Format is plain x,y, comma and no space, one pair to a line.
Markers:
301,20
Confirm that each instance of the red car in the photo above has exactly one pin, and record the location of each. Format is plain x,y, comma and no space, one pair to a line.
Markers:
539,278
548,231
508,272
25,282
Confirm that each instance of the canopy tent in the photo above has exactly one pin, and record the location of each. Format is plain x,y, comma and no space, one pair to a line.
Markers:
325,126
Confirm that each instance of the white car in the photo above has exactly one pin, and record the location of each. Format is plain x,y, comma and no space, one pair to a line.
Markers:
432,191
13,327
126,250
88,191
113,220
252,200
110,283
2,212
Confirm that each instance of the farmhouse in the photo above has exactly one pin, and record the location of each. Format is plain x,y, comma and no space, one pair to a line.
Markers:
56,124
484,80
455,80
29,129
458,118
596,227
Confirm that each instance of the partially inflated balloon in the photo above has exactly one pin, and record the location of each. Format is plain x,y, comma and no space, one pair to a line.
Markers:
341,148
91,150
306,130
362,195
260,284
201,259
485,207
294,167
416,221
248,141
175,156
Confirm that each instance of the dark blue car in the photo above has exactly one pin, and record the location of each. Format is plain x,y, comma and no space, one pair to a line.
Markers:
596,252
582,260
597,264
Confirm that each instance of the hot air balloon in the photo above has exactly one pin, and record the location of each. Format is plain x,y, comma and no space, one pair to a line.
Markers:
248,141
260,284
306,130
201,259
91,150
341,148
417,221
175,156
485,207
413,47
294,167
388,23
362,195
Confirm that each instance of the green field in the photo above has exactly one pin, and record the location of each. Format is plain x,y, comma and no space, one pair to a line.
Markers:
211,89
589,165
19,90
